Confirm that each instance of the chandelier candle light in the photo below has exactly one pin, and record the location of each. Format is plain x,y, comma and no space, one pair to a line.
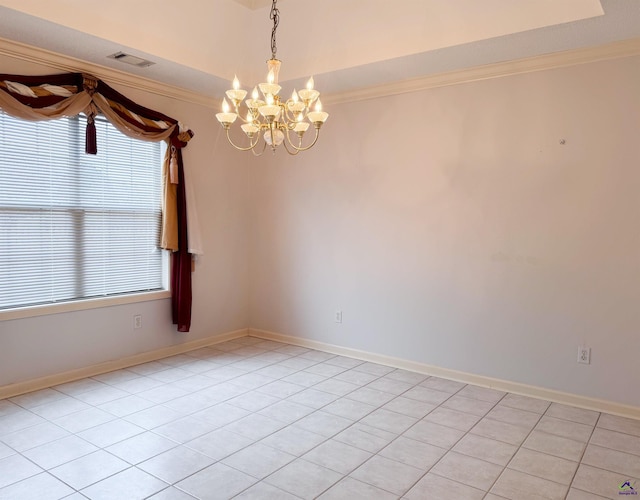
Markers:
272,118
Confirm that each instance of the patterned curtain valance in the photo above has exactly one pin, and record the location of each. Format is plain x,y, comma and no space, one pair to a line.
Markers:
49,97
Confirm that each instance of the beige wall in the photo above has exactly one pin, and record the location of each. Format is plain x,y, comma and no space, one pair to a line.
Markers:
45,345
452,228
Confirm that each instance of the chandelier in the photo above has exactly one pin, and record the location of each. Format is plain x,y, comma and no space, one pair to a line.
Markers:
271,118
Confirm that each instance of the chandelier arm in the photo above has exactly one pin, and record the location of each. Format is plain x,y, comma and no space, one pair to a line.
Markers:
286,148
305,148
264,147
250,148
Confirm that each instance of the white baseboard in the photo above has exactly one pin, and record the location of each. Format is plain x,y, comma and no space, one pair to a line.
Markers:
588,403
11,390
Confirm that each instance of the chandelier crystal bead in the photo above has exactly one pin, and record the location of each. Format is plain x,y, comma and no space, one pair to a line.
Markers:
274,119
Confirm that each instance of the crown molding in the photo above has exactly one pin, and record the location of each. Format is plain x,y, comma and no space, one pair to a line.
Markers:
616,50
57,61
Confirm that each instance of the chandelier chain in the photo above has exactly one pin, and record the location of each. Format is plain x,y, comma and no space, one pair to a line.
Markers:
275,16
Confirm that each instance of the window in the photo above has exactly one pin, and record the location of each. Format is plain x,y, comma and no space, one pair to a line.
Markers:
76,226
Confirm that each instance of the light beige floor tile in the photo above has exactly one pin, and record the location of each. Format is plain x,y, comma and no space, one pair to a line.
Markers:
126,406
170,493
394,387
323,423
15,468
355,490
219,443
89,469
337,387
337,456
37,398
389,421
281,389
545,466
216,482
600,482
258,460
18,420
185,429
344,361
451,418
435,434
79,386
426,395
59,408
7,407
565,428
467,470
616,441
409,407
412,452
176,464
141,447
356,377
348,408
388,475
365,437
154,417
516,485
514,416
406,376
467,405
263,491
374,369
325,369
36,435
286,411
110,433
304,479
442,384
255,426
620,424
5,451
102,395
370,396
293,440
131,484
486,449
60,451
612,460
313,398
253,401
438,487
555,445
84,419
575,494
525,403
40,487
481,393
573,414
304,379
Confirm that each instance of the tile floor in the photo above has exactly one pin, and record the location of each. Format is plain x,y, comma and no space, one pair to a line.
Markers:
259,419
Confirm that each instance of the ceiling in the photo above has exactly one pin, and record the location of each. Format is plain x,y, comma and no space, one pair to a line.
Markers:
199,45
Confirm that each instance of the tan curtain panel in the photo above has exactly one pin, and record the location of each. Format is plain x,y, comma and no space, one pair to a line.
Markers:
54,96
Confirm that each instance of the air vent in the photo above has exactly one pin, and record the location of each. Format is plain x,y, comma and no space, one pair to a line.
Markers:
132,60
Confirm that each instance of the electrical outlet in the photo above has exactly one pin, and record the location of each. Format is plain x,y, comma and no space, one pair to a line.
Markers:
584,355
137,321
338,316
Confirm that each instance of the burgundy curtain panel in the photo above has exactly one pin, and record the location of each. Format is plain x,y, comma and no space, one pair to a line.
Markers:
181,261
55,96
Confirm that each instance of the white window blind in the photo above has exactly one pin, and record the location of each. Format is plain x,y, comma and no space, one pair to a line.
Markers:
75,226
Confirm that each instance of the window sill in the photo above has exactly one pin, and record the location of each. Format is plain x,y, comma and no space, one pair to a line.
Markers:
81,305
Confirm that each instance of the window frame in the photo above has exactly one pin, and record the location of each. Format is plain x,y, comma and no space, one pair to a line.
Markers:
88,303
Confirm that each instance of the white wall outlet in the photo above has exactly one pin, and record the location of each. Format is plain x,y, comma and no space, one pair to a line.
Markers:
338,316
584,355
137,321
